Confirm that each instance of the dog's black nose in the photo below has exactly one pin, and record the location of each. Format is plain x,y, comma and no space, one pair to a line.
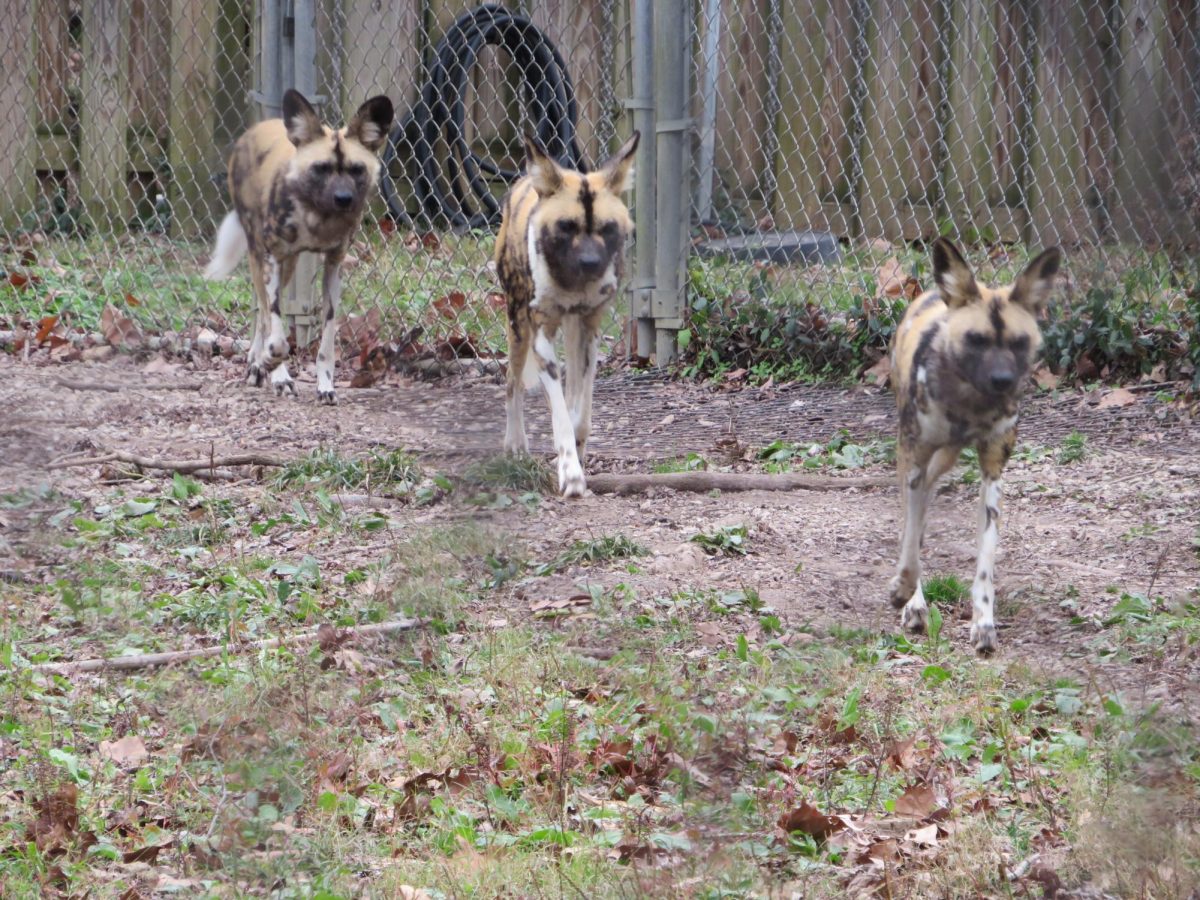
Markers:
1002,381
343,198
591,265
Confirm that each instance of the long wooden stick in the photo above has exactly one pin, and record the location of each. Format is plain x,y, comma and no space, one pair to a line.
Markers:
76,385
148,660
729,481
177,465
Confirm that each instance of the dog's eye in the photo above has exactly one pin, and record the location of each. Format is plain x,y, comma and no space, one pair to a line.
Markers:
608,229
1020,343
323,168
568,226
977,340
356,169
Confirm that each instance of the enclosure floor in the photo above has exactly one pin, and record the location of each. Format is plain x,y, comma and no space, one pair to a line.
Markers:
1073,537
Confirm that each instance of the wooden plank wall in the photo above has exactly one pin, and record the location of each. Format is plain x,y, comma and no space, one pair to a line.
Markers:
1037,119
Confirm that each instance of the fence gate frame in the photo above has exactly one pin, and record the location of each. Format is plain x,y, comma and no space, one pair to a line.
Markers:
286,33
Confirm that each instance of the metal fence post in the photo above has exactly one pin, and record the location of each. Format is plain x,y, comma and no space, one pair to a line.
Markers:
672,31
642,105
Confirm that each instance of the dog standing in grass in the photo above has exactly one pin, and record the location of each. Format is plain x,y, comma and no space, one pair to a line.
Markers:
297,186
559,256
960,358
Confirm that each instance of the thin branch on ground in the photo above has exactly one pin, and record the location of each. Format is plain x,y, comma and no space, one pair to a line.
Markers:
76,385
184,467
702,482
150,660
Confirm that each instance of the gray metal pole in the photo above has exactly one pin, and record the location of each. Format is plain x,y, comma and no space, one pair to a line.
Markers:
303,303
270,42
304,73
672,34
642,104
708,121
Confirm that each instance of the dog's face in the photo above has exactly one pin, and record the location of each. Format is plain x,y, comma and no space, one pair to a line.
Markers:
992,335
580,222
334,172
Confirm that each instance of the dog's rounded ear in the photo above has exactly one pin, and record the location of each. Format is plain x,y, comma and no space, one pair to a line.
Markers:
952,274
372,122
618,169
544,171
1033,286
300,119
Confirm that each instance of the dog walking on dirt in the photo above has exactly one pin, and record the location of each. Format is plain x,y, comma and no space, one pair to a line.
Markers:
960,360
297,185
559,257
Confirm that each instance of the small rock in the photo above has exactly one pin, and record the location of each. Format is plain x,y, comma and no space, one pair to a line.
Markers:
206,340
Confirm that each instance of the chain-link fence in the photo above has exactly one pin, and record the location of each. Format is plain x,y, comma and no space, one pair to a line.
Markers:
794,158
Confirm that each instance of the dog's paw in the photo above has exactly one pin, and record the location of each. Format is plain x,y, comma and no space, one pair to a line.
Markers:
282,382
255,375
900,590
914,618
328,398
571,482
983,638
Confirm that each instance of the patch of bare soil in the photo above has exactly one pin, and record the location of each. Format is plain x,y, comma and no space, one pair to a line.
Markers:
1074,536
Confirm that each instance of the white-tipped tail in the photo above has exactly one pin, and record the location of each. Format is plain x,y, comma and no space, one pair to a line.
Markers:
231,247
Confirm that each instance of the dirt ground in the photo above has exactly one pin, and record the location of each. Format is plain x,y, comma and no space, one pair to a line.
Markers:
1075,536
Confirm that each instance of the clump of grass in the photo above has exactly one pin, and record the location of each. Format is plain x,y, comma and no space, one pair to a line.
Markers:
1074,448
392,472
946,589
613,546
693,462
522,472
729,540
840,452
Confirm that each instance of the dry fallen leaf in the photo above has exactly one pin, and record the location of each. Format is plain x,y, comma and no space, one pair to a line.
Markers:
880,372
918,802
120,330
810,820
924,837
891,279
450,305
881,852
901,754
128,751
549,609
1117,397
1045,379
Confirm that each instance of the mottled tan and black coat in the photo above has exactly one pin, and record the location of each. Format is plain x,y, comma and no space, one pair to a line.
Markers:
298,186
960,360
559,257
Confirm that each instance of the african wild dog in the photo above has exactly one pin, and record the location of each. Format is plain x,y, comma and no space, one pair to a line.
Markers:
959,360
559,255
297,185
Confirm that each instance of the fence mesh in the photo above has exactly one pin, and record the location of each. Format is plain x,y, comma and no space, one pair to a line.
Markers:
826,140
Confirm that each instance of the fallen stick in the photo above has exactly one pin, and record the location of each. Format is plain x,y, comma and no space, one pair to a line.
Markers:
183,466
75,385
149,660
729,481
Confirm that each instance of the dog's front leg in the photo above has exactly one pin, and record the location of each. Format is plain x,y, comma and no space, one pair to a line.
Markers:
580,340
983,590
275,351
520,334
571,482
331,293
922,470
256,369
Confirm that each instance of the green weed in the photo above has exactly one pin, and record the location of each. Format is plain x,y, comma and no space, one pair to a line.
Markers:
1073,448
728,539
